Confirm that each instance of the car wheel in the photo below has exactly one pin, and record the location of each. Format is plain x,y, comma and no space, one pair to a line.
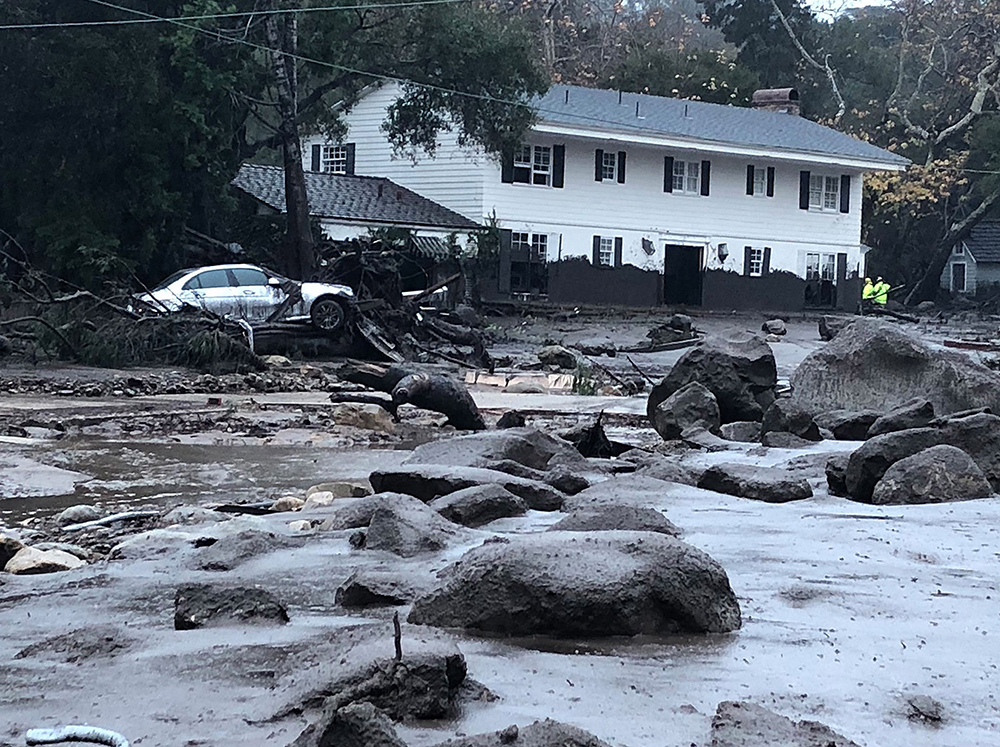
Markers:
328,314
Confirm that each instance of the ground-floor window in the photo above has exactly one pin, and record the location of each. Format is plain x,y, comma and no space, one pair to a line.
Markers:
821,266
606,254
755,261
958,277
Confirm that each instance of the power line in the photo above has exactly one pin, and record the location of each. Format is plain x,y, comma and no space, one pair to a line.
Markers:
211,16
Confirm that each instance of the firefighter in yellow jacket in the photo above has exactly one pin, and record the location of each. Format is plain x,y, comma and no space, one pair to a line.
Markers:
881,292
867,294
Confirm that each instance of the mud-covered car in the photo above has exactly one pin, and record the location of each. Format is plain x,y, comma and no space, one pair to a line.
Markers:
251,293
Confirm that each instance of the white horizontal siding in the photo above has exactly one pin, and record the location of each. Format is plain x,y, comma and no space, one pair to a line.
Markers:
453,177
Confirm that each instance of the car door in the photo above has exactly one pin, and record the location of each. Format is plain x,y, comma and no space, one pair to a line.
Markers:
210,290
255,299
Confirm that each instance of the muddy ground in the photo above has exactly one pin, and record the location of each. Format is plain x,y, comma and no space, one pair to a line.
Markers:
849,610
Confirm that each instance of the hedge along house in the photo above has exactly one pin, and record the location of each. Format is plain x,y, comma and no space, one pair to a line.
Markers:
974,264
636,199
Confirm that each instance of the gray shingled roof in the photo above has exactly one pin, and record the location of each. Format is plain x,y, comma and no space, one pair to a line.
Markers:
984,241
355,198
713,123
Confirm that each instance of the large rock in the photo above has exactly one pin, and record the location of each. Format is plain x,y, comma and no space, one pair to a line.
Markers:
371,588
788,416
913,414
557,355
559,478
936,475
836,474
479,505
869,462
774,327
692,404
847,425
768,484
661,467
357,513
354,725
873,365
29,561
744,431
429,481
831,326
741,724
232,550
545,733
627,518
736,370
204,605
590,584
409,530
526,446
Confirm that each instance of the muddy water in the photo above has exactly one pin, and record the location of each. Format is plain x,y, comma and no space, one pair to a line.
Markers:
41,478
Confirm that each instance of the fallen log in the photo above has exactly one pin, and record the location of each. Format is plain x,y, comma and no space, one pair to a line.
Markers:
91,734
113,519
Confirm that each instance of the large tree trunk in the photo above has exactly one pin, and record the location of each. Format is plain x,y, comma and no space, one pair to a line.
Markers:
300,248
927,288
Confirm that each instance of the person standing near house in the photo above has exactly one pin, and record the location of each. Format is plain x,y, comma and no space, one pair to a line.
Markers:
867,294
881,292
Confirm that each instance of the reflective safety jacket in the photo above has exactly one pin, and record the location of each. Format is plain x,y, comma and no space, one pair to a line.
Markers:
881,294
868,291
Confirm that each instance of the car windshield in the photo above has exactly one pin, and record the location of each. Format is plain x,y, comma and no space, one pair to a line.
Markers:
172,279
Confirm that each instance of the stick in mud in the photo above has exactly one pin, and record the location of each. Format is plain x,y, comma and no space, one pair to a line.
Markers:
397,636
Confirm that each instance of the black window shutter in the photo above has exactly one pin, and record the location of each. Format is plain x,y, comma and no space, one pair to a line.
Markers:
804,190
597,251
598,164
750,179
765,267
618,251
507,166
746,259
558,165
706,177
315,158
503,271
621,167
350,158
668,173
845,193
770,181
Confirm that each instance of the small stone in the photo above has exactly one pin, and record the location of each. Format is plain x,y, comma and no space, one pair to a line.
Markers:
924,708
287,503
300,526
774,327
78,515
277,361
343,488
9,547
508,735
511,419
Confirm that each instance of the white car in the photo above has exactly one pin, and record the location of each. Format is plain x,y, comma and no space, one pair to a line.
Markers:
251,293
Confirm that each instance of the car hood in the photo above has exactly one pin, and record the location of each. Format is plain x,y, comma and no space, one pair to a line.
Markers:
312,291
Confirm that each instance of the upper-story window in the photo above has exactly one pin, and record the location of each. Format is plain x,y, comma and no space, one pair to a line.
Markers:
609,165
824,192
687,177
334,159
533,165
959,249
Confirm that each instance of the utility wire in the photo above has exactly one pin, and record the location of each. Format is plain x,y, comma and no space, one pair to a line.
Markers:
242,14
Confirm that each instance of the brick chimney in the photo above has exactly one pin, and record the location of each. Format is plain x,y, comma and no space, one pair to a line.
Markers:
776,100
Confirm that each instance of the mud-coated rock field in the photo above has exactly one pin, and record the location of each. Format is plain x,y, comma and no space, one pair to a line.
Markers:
755,564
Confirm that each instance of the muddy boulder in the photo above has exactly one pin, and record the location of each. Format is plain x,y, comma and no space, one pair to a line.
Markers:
408,530
836,474
78,515
205,605
692,404
874,365
939,474
527,446
768,484
743,431
373,588
913,414
547,733
479,505
739,370
789,416
9,547
358,512
569,584
558,356
627,518
30,561
741,724
233,550
831,326
847,425
430,481
354,725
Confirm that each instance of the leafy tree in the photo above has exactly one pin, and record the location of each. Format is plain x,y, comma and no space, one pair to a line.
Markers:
705,76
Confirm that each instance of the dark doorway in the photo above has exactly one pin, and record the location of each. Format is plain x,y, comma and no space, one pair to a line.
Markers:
958,278
682,275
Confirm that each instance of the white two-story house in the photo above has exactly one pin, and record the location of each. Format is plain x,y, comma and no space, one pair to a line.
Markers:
636,199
